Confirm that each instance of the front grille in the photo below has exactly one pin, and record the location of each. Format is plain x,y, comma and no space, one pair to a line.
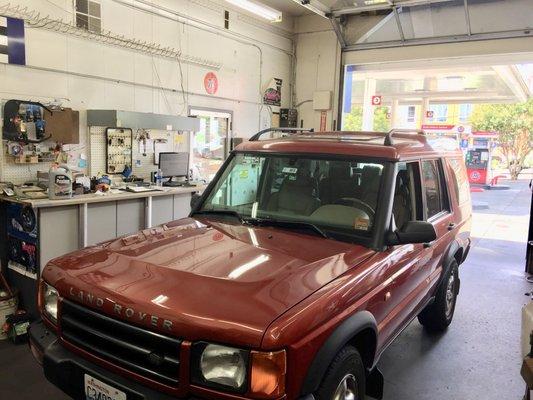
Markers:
147,353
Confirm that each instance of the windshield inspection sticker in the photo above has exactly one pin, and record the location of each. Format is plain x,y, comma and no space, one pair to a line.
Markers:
290,170
362,224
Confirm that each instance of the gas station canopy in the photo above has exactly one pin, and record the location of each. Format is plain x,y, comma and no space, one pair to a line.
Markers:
469,84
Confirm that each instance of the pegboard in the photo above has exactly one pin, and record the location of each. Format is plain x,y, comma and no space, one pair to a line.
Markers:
97,151
20,173
143,163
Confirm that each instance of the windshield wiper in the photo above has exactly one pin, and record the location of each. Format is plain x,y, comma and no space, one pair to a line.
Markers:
287,224
230,213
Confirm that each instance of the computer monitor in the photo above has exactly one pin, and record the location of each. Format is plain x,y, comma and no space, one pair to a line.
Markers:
174,164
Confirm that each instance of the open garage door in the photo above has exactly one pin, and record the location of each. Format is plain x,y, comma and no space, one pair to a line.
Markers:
369,24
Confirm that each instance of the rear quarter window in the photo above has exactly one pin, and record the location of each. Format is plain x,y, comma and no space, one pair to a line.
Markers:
459,179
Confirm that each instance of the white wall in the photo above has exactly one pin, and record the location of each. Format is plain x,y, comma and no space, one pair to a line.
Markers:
317,68
57,60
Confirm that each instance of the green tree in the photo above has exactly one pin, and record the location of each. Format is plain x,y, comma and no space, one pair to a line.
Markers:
514,123
354,120
381,119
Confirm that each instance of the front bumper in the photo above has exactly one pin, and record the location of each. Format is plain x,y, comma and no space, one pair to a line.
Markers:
66,370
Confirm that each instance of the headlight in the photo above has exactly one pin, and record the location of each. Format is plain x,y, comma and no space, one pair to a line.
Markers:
220,367
50,298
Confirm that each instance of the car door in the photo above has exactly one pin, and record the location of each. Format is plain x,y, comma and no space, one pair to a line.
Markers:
405,267
437,211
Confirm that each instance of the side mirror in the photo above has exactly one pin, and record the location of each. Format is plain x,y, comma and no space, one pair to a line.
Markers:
195,200
413,232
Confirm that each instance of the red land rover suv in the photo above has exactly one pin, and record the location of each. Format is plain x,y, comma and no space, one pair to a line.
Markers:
300,263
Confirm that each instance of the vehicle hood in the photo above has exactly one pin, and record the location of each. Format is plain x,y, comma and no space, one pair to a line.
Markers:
213,280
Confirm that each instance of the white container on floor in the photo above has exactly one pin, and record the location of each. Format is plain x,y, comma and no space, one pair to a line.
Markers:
7,306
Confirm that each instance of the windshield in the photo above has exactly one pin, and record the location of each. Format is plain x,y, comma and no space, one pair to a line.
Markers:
329,194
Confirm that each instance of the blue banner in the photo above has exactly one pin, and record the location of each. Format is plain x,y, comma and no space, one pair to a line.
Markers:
348,84
12,46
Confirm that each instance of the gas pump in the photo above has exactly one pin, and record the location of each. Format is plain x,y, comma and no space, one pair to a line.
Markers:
477,165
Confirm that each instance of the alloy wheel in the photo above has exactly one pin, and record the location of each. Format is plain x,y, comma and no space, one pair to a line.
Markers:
347,389
450,295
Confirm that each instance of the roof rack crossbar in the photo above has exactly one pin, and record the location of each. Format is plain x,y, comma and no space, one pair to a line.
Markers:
288,130
388,139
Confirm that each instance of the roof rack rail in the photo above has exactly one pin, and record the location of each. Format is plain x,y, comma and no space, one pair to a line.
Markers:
290,130
388,139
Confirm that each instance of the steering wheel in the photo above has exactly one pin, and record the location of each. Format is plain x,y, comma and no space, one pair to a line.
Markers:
356,203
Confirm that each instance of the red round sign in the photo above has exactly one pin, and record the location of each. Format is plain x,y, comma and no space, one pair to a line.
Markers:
475,176
211,83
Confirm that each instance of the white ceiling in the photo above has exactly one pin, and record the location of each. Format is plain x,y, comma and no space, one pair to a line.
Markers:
292,8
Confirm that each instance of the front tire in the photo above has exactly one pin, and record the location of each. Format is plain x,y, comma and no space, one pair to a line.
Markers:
345,377
437,316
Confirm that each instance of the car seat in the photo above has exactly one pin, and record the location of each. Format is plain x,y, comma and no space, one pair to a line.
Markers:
338,184
296,195
401,208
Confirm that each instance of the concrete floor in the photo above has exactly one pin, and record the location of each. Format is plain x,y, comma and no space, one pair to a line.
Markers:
477,358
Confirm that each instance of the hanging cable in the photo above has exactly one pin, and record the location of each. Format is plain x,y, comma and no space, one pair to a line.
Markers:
33,19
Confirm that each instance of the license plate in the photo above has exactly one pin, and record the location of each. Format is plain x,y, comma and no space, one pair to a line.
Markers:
98,390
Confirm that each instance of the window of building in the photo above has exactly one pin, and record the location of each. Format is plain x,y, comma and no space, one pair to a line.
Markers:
436,195
88,15
440,112
411,113
226,19
465,110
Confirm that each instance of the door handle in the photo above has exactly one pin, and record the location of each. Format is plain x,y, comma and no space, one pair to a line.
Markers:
451,226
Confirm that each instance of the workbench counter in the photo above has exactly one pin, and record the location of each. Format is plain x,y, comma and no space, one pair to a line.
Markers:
65,225
97,198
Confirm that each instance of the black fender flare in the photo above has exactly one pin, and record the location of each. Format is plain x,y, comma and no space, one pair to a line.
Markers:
447,259
342,334
449,255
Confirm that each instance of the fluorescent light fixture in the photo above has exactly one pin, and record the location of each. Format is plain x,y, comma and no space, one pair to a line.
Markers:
258,9
372,2
315,6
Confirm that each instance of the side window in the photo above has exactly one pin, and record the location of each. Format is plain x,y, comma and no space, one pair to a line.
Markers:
434,187
407,197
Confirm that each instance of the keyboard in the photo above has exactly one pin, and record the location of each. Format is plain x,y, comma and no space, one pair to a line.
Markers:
139,189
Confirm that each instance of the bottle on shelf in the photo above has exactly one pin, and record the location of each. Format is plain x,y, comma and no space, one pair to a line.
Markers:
159,178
